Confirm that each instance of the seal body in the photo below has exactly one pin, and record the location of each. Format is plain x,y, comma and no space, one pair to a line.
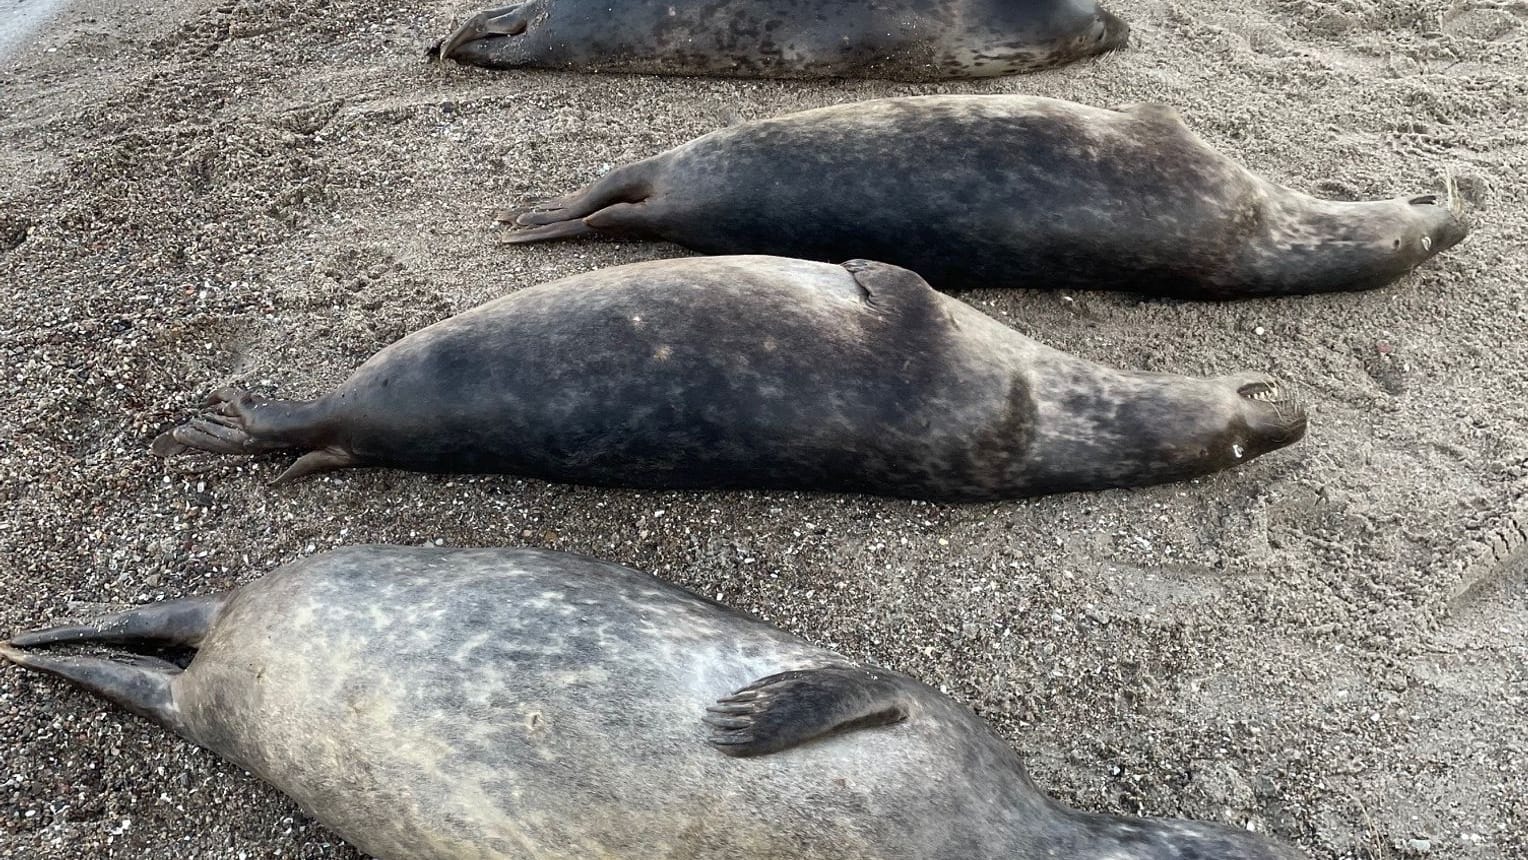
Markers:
444,704
910,40
757,372
1004,190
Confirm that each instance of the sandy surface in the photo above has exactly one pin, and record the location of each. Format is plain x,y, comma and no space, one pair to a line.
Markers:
1328,645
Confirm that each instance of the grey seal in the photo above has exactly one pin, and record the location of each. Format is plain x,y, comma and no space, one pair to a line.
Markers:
467,704
757,372
1022,191
908,40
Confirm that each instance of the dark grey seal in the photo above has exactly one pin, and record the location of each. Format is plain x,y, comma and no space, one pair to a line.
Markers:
986,191
908,40
466,704
757,372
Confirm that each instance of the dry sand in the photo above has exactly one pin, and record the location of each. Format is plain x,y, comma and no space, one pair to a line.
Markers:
1328,645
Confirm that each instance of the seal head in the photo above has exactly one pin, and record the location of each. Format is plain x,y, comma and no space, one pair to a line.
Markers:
1306,245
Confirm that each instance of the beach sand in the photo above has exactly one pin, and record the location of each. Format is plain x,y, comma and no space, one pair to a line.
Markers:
1329,645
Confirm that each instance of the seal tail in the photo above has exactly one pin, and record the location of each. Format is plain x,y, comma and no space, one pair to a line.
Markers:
612,201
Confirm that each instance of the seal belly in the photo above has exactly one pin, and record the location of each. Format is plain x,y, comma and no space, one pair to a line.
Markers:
1030,193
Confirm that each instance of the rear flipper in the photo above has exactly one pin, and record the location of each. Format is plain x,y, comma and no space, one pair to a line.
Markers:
619,203
173,622
488,24
791,708
140,684
242,423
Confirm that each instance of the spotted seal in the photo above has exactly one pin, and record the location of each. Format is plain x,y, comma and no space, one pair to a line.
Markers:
909,40
757,372
446,704
1004,190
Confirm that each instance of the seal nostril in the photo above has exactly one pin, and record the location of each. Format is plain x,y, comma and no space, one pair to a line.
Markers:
1424,200
1258,391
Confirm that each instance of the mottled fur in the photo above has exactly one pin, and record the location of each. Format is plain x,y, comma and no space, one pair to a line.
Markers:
910,40
981,191
758,372
440,704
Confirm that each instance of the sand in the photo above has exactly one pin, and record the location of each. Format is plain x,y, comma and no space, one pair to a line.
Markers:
1329,645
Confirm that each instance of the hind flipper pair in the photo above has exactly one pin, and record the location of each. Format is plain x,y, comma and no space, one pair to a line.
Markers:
238,422
139,683
619,203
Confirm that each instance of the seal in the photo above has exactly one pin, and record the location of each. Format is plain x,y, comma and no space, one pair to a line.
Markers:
446,704
1020,191
908,40
756,372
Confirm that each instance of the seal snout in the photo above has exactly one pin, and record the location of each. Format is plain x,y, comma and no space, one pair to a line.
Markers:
1274,416
1443,225
1115,33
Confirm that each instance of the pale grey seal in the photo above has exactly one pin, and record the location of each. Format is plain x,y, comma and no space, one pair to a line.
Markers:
478,704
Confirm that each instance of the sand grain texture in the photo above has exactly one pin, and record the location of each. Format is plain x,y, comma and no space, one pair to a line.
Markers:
1329,645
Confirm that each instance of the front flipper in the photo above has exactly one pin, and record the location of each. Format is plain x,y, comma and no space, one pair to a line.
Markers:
887,286
791,708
